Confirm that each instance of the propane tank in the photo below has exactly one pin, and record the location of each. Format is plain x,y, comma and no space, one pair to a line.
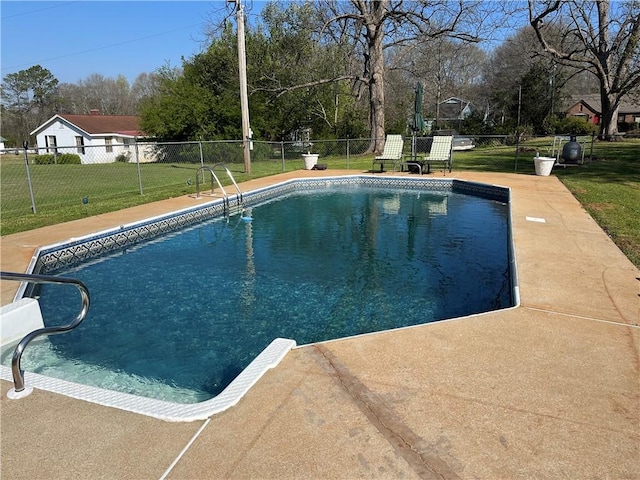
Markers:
571,152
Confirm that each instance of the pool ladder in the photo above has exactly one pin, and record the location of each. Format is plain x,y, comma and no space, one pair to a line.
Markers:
18,373
227,207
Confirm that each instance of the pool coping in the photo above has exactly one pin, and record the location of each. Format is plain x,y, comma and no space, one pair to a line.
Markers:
77,249
163,410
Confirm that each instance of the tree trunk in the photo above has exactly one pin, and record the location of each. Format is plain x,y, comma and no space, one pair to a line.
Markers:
375,65
376,95
609,116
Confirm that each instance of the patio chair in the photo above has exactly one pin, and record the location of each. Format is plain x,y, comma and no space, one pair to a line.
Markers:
441,151
392,152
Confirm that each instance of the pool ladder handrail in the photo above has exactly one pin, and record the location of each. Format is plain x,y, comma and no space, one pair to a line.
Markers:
233,180
18,373
214,176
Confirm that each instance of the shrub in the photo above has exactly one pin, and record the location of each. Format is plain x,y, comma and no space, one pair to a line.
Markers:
61,159
123,157
45,159
69,159
574,125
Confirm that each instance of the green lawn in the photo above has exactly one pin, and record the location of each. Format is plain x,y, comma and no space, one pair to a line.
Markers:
609,189
68,192
608,186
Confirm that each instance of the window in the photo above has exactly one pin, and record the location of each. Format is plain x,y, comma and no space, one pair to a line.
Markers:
636,119
80,145
126,143
50,143
108,144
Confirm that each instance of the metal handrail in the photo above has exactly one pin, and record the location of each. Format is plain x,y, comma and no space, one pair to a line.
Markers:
213,175
227,204
18,373
233,180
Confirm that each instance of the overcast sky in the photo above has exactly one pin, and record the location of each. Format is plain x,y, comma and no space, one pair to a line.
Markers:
74,39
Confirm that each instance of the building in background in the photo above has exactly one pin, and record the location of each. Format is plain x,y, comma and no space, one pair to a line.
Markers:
95,138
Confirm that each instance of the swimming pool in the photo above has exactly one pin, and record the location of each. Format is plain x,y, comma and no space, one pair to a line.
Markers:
254,278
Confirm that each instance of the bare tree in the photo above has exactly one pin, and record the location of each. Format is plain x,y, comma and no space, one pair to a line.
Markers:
111,96
145,85
448,68
374,27
597,37
503,73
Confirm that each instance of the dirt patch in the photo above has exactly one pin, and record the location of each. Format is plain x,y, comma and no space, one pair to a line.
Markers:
600,207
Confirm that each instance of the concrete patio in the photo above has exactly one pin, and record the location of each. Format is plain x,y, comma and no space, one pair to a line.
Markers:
550,389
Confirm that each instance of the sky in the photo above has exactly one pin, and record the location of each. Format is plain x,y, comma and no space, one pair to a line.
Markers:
74,39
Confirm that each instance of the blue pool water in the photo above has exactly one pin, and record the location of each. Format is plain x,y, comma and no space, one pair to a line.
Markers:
179,317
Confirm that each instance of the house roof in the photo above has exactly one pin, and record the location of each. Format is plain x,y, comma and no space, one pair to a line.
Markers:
593,102
104,124
96,124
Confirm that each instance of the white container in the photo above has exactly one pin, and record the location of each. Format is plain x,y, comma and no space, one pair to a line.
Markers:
310,160
544,165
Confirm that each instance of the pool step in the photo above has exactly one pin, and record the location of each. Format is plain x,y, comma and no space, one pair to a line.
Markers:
231,210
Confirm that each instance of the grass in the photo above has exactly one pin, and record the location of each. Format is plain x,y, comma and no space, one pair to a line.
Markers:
67,192
609,189
608,186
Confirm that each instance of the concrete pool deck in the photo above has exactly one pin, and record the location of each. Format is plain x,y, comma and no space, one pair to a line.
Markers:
550,389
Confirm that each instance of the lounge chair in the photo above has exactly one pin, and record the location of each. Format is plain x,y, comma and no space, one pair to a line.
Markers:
392,152
441,151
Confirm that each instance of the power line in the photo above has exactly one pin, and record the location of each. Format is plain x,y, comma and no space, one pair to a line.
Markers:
35,62
58,4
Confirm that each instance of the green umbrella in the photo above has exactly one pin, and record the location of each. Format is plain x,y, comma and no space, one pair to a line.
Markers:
418,121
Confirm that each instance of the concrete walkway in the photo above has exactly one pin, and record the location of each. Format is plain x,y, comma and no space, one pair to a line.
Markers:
550,389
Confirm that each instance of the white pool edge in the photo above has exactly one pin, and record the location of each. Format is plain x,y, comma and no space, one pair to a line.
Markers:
269,358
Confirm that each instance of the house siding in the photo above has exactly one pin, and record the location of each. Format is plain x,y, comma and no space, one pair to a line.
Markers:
589,109
93,149
583,110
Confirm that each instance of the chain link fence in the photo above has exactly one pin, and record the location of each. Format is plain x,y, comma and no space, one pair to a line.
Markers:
42,186
67,182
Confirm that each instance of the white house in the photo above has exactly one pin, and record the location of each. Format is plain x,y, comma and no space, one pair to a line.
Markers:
454,109
95,138
2,147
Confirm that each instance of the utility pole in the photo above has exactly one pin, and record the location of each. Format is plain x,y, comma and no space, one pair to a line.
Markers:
244,98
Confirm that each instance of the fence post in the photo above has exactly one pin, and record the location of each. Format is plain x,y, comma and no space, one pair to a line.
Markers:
138,165
201,156
26,164
515,168
284,167
347,153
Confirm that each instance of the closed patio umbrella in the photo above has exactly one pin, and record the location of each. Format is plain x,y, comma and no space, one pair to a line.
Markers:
418,120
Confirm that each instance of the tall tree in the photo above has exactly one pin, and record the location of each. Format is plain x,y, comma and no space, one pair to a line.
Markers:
287,70
597,36
448,68
29,97
198,101
145,85
374,27
110,96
